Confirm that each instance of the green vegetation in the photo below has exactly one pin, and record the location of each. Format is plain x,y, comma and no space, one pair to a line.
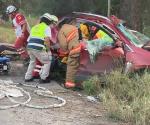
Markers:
7,32
32,20
92,86
126,98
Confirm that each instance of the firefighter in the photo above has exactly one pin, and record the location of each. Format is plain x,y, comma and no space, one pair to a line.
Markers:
84,31
39,47
22,30
68,38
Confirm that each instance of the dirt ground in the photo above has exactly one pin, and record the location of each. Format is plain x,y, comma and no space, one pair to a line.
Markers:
77,111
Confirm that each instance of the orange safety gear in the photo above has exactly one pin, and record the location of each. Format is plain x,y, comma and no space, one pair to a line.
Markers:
70,85
69,41
71,35
75,50
84,31
62,53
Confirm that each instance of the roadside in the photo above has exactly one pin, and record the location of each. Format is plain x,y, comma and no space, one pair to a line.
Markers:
77,111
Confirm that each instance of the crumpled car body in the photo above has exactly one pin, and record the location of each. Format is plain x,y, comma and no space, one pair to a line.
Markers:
129,56
132,55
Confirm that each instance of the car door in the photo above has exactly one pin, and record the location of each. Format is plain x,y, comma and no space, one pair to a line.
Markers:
107,59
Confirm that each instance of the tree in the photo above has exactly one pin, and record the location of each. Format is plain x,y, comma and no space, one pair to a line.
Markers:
131,11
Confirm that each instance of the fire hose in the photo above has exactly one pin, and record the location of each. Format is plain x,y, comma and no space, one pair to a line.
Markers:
41,92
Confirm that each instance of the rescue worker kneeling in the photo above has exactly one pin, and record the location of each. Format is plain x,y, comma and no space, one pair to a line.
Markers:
39,47
68,38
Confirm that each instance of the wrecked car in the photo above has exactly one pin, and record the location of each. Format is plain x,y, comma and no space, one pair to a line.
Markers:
131,55
103,56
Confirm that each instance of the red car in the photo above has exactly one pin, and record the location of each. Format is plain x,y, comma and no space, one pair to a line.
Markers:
132,55
129,56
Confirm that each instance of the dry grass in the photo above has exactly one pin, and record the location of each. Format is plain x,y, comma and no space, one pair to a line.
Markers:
7,32
126,98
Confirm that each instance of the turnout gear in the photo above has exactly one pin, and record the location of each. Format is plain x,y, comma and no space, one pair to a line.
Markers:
69,41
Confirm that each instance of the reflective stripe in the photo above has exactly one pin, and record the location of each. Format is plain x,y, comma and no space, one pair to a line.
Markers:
36,44
20,49
71,35
36,38
38,66
21,52
75,50
37,70
69,84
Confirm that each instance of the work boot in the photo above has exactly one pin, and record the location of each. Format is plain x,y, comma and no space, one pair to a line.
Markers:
69,85
29,80
36,77
47,80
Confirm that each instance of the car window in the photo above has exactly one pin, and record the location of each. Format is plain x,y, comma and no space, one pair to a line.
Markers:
108,29
96,30
99,38
141,37
130,35
102,34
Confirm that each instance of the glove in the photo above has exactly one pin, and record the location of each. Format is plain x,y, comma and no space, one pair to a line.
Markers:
62,53
83,44
118,43
64,60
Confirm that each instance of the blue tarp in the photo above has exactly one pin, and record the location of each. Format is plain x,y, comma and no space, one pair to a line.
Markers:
4,59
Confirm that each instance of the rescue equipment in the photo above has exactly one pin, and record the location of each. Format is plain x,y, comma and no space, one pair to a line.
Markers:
4,64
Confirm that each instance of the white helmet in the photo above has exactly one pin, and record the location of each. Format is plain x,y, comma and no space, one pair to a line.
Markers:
11,9
50,17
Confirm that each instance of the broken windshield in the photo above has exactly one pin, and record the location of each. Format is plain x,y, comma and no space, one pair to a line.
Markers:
130,35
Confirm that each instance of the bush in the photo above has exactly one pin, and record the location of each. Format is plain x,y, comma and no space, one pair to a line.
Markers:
92,85
126,98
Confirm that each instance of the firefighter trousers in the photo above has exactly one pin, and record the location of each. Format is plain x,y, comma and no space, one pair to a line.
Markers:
72,67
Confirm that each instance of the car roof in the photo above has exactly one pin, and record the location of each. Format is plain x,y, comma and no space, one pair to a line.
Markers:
92,17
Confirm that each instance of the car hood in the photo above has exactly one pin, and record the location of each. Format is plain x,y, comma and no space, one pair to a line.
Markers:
139,57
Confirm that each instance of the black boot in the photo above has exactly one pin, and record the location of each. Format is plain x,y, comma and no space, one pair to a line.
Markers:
47,80
29,80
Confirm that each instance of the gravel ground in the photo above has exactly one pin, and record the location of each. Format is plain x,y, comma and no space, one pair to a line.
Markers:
77,111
